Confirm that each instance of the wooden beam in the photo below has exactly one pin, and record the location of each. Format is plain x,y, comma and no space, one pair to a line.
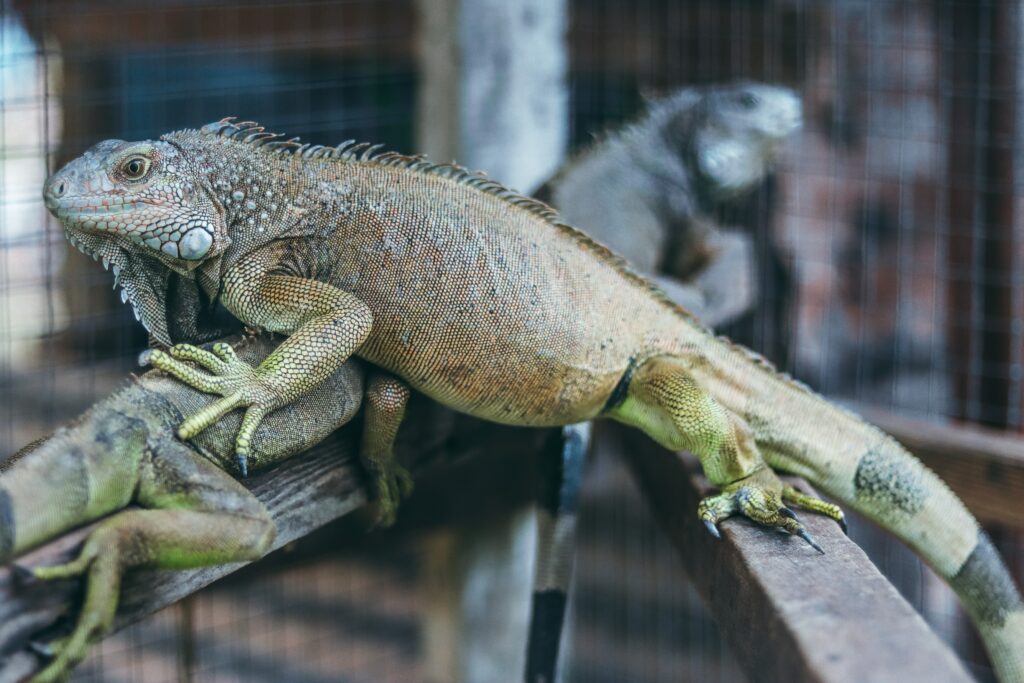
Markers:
985,467
788,613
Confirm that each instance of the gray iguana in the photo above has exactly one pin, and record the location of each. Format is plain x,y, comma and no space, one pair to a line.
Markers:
650,190
485,301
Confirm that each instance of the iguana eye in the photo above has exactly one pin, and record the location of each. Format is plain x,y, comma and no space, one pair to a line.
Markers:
135,168
749,100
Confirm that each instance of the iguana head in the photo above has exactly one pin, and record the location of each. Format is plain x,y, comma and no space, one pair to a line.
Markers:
731,133
144,209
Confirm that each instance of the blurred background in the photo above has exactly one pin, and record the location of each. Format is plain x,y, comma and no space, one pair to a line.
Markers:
890,245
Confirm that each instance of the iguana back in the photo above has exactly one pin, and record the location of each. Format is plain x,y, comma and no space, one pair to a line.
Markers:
503,313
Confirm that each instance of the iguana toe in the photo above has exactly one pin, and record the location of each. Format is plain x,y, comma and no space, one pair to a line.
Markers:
793,496
390,487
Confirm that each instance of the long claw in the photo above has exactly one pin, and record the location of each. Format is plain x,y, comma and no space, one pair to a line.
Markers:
44,650
712,529
242,460
842,525
24,575
802,533
786,512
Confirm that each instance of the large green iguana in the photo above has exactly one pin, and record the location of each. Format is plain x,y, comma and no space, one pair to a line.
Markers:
485,301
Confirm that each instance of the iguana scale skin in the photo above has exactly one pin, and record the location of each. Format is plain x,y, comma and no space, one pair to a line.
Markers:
485,301
187,510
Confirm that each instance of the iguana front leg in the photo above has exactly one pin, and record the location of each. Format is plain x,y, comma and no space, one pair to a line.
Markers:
196,515
325,326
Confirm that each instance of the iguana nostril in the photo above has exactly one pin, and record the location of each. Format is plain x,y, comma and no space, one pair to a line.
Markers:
58,188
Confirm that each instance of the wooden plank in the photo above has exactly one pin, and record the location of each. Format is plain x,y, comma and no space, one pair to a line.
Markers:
985,467
788,613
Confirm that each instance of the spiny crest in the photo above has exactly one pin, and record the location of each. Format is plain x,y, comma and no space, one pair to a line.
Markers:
251,133
254,134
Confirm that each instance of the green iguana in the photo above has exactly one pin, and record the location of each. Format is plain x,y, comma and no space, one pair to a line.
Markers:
650,190
485,301
190,512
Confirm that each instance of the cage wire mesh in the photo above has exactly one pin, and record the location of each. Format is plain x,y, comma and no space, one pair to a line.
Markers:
889,254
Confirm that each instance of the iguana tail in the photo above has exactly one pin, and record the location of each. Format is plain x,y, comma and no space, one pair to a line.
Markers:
59,483
870,472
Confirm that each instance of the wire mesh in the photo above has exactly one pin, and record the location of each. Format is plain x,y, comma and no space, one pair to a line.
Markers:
891,226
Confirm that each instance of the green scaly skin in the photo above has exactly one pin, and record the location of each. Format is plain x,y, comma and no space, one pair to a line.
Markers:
486,302
187,510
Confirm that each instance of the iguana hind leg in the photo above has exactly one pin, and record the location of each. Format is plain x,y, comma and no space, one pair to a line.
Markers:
196,515
386,398
665,401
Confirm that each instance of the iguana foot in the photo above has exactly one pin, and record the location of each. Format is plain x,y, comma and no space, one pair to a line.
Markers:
760,497
238,382
99,561
390,486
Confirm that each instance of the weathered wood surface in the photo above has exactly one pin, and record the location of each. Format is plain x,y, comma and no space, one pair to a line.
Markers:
985,467
788,613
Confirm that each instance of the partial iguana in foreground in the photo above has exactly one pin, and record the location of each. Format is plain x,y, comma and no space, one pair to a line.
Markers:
650,191
485,301
188,510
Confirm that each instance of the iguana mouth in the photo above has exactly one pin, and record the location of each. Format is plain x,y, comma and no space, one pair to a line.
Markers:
147,223
84,213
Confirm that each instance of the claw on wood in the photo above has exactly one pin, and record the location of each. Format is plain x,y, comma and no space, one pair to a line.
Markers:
44,650
712,529
242,460
23,575
807,537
